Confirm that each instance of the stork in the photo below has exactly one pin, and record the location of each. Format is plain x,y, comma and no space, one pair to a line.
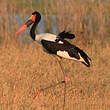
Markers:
55,44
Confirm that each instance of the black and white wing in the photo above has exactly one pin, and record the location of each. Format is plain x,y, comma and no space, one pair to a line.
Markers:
61,47
66,50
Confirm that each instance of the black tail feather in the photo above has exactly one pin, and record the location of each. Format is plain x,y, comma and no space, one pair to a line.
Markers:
67,35
87,60
88,65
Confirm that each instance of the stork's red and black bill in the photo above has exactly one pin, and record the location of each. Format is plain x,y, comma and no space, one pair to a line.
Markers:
27,24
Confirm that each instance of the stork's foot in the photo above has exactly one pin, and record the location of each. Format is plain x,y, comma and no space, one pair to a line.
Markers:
37,93
67,79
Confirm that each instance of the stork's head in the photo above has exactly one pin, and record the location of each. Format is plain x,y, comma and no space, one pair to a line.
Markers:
35,18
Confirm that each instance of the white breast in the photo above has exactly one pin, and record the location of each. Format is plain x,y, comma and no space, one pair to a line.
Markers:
45,36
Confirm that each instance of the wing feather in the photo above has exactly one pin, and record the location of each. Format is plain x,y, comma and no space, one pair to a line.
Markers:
54,47
65,34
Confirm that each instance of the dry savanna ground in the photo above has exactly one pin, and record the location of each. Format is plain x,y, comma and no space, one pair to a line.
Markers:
26,68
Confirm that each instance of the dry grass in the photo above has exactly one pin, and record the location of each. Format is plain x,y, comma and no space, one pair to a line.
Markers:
26,68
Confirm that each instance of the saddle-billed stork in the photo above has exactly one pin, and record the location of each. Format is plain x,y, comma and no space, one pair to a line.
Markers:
55,44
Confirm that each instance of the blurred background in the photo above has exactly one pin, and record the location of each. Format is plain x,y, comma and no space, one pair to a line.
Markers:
24,66
88,19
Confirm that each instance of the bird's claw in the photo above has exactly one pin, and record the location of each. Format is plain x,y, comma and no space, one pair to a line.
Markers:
67,79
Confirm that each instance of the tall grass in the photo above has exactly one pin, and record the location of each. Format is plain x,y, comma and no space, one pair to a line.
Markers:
24,68
88,20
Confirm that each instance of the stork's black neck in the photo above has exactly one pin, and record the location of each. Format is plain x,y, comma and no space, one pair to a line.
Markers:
33,28
32,31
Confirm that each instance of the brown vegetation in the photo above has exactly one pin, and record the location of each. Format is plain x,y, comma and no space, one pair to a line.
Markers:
25,68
